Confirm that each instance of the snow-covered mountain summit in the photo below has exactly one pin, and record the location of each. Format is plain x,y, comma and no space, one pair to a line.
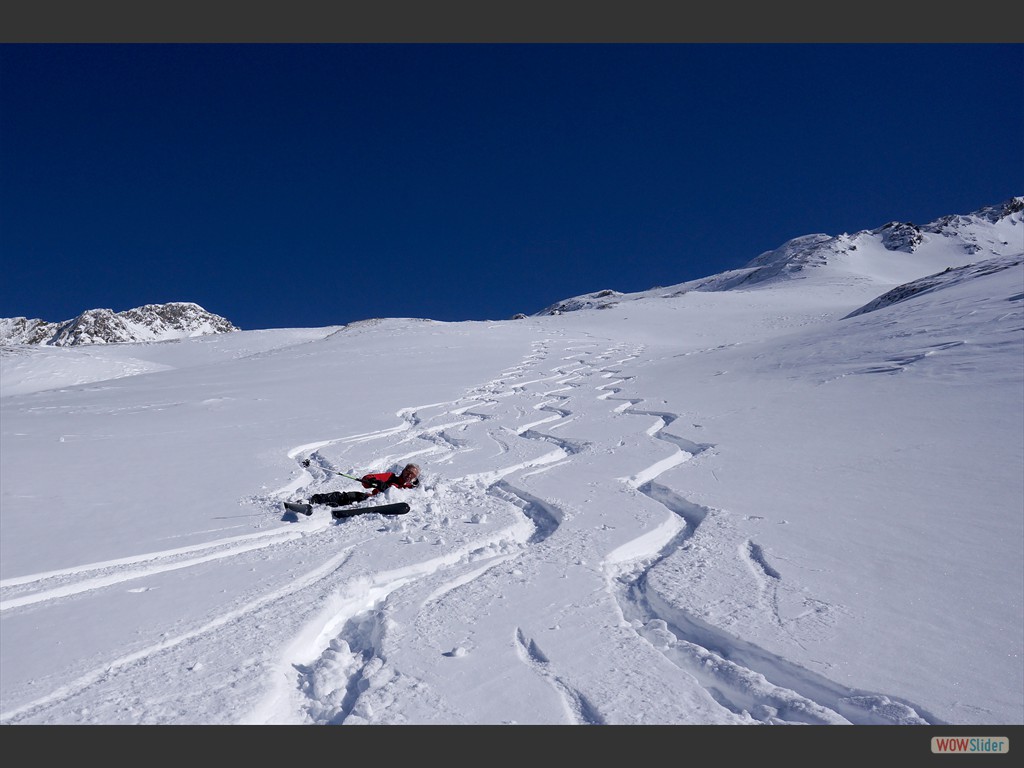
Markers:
890,255
151,322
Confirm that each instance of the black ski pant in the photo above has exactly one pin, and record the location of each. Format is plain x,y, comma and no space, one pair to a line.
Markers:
338,498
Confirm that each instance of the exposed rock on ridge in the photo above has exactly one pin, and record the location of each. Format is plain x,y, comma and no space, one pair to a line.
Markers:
151,322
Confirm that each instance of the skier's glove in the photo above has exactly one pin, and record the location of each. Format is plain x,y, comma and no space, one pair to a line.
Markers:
373,482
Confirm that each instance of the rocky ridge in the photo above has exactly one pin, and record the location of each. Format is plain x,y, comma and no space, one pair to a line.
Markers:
151,322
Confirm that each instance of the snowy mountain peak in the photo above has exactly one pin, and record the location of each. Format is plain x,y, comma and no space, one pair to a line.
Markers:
992,231
904,236
890,255
900,236
150,322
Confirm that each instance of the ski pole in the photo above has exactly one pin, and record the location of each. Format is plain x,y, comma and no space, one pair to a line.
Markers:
373,483
305,463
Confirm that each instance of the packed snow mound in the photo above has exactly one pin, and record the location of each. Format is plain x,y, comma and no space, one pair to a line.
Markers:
150,322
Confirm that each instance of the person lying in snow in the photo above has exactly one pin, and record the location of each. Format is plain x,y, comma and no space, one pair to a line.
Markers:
381,481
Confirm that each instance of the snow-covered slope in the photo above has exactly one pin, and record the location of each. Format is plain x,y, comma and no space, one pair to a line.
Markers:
26,368
944,279
732,507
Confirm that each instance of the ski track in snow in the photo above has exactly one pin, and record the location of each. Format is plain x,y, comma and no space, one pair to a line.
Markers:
741,690
704,652
579,711
331,670
20,591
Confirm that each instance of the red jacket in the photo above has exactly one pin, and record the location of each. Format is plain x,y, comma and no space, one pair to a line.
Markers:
389,479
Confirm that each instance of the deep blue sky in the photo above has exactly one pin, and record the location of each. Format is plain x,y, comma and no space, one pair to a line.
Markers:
310,185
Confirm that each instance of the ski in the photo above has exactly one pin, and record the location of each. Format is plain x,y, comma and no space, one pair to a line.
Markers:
298,507
398,508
